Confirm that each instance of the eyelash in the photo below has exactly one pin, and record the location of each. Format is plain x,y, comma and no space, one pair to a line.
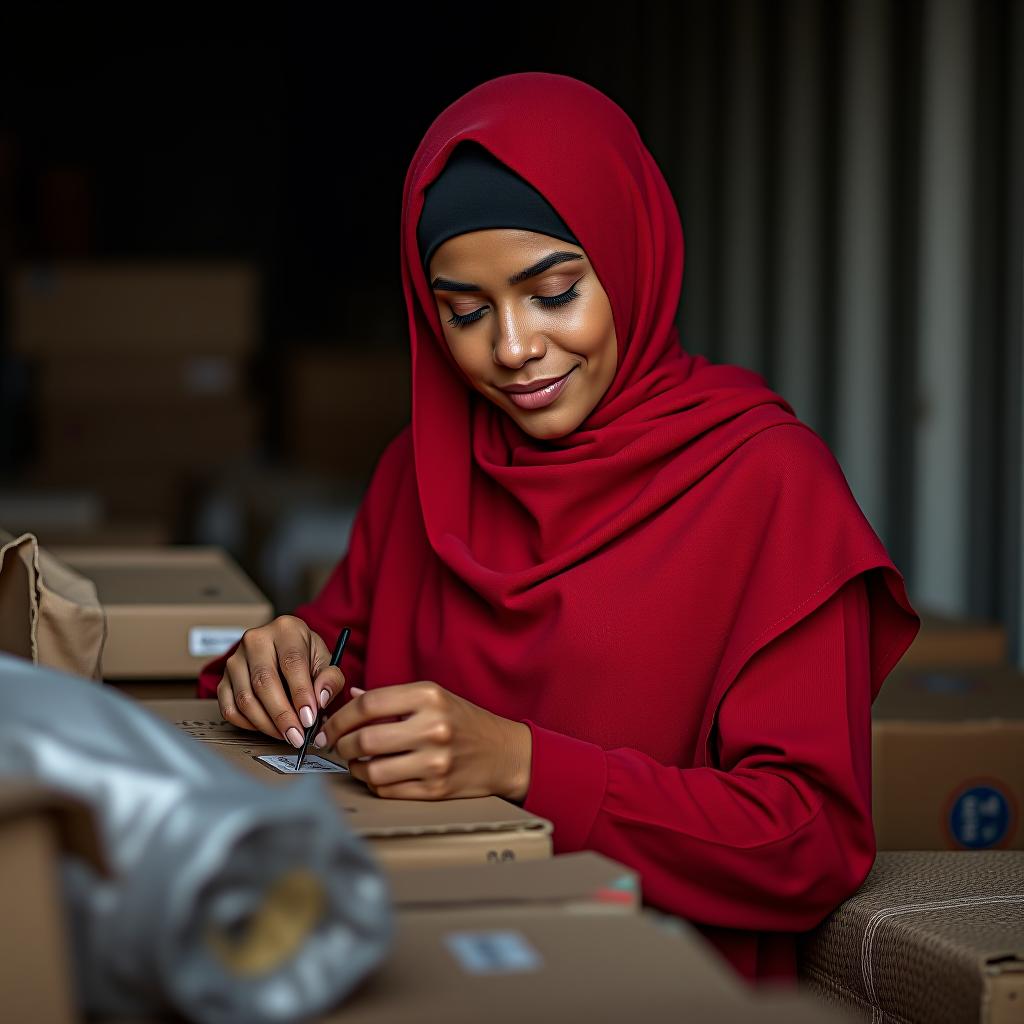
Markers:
548,301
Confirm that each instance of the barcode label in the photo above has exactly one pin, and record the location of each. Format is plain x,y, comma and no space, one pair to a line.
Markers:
493,952
209,641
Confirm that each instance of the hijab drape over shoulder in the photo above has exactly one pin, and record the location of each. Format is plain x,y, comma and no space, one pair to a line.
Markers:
681,598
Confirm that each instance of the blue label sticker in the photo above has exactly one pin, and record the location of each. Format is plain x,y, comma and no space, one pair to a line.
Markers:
980,817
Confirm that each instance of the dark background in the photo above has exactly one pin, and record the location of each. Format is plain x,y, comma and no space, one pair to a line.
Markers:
283,139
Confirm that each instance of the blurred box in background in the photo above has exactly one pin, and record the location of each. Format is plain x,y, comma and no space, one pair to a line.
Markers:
956,643
343,406
135,309
140,378
948,760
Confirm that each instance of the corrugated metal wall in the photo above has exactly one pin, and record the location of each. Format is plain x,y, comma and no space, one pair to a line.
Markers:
850,178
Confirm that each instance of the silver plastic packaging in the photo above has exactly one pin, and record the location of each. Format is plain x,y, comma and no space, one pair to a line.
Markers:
229,900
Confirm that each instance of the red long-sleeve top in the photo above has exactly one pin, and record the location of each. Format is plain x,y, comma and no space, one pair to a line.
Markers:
754,846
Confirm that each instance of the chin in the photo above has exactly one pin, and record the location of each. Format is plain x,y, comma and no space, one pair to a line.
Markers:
551,431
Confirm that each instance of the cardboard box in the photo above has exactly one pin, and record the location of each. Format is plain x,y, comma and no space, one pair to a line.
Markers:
583,882
169,610
403,833
36,977
463,968
956,643
343,407
948,760
160,307
932,937
198,434
138,377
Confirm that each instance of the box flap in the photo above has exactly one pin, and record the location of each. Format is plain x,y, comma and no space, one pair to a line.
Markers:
73,818
547,965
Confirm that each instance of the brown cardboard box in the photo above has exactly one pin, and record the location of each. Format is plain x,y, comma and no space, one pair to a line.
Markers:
138,377
169,610
35,968
199,434
956,643
948,760
403,833
544,965
573,882
91,308
344,406
932,937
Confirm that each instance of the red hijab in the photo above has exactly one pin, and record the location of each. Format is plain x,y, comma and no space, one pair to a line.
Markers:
652,475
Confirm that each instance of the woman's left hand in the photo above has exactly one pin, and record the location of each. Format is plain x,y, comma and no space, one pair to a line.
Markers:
425,743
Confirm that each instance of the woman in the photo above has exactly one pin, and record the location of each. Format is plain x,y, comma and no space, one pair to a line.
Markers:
642,601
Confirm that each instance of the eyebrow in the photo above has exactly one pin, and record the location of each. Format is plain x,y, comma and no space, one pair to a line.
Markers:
552,259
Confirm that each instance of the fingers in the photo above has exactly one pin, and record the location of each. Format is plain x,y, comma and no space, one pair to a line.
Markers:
247,705
413,772
373,740
265,688
293,658
385,702
226,701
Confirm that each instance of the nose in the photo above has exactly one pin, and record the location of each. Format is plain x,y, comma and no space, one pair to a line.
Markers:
517,341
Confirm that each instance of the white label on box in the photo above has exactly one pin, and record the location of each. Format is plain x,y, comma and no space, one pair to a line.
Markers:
285,764
493,952
209,641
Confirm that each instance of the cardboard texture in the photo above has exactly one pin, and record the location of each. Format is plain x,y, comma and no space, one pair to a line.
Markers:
36,978
112,308
948,760
546,965
403,833
932,937
169,610
574,882
956,643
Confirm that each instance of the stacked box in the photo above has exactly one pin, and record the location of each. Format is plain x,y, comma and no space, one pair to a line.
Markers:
932,937
140,374
948,759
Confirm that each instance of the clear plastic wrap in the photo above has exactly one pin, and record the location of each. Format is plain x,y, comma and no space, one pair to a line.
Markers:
228,899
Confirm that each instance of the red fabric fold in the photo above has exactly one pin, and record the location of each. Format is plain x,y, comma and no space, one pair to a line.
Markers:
627,589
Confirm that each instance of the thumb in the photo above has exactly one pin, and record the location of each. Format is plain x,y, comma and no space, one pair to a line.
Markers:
357,691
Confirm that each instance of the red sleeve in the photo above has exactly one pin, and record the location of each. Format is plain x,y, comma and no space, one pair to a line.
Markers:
346,597
779,832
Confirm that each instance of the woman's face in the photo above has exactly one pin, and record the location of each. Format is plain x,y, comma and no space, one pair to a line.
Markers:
521,308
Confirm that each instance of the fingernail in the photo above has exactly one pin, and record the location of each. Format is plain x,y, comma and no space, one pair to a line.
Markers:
306,716
321,739
325,697
357,692
294,737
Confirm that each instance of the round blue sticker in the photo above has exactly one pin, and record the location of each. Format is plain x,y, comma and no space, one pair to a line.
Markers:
980,817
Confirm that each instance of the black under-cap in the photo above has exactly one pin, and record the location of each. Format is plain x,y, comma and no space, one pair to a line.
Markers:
474,192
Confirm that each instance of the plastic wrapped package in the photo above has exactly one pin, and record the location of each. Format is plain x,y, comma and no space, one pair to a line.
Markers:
227,899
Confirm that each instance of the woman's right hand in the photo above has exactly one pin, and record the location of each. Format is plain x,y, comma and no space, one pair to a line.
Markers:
276,678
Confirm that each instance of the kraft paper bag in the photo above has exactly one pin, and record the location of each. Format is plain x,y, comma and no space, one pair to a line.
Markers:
49,613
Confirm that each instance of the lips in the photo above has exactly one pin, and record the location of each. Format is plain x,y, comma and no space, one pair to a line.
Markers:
542,394
535,385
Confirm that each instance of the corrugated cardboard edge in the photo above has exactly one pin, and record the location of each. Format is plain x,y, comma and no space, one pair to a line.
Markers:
1002,999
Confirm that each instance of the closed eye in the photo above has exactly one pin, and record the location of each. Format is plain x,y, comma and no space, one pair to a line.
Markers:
547,301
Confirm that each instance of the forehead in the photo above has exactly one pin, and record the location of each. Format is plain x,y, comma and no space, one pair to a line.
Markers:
497,252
